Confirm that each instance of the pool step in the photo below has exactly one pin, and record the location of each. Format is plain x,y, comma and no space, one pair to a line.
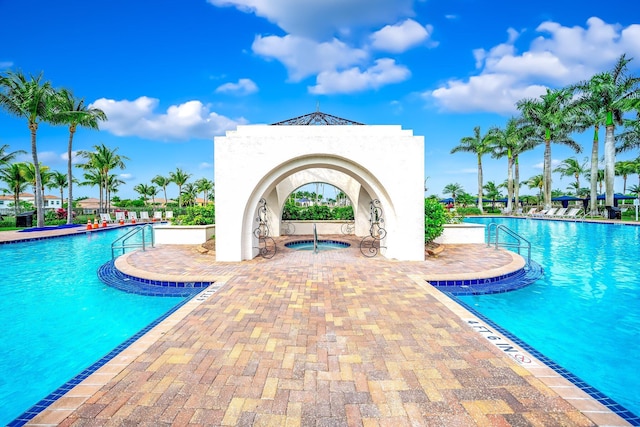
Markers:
505,283
113,277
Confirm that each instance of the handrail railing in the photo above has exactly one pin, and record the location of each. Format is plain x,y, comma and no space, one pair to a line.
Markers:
121,242
315,239
520,242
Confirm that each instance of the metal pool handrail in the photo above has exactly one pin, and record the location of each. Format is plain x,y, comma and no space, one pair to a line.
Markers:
121,242
315,239
520,243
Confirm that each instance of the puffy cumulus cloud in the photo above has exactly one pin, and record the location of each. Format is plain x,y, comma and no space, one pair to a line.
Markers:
243,87
384,71
180,122
488,92
75,158
558,56
126,176
49,158
304,57
205,165
301,17
400,37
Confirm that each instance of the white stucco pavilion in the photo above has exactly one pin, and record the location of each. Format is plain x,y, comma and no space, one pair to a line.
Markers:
378,162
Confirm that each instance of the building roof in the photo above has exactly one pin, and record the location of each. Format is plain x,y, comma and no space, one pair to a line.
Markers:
316,118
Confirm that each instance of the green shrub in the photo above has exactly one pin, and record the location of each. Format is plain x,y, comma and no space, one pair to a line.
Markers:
291,212
435,217
467,211
197,215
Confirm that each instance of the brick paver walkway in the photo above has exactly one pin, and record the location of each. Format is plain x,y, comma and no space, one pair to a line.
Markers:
327,339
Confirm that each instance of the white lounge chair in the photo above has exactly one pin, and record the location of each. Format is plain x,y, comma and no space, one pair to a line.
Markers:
540,213
168,215
106,217
120,217
550,213
560,213
144,216
157,216
573,213
133,217
531,212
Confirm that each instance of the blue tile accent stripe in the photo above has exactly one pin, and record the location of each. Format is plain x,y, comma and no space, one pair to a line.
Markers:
43,404
304,242
113,277
503,283
614,406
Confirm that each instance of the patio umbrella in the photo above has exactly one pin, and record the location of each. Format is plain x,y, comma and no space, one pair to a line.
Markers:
616,197
446,201
566,199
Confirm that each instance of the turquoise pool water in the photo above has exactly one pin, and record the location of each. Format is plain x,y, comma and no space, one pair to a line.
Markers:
322,245
585,312
57,318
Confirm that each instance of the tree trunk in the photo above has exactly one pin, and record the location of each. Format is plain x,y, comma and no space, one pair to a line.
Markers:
516,181
547,174
38,190
72,130
509,182
609,163
593,193
480,184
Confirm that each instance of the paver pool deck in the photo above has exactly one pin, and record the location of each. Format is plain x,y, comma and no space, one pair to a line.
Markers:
326,339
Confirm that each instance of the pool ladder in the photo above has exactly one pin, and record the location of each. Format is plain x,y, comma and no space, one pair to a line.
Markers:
517,242
121,243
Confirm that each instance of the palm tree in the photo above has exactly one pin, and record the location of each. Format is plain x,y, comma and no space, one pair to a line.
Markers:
103,160
31,172
111,185
536,181
479,145
13,174
572,167
189,194
510,142
629,138
30,99
59,180
453,189
204,186
180,178
73,113
163,182
549,119
143,190
493,192
8,157
617,93
624,169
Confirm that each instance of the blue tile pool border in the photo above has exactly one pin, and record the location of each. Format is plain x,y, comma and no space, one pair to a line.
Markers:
293,244
44,403
611,404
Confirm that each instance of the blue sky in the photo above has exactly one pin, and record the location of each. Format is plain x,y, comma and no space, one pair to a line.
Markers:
171,75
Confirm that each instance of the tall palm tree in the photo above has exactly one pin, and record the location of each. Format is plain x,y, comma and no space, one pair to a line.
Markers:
13,174
572,167
103,160
30,99
162,181
510,142
189,194
479,145
493,192
549,119
73,112
111,185
59,180
618,93
180,178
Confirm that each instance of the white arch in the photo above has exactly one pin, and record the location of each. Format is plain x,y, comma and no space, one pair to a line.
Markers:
386,162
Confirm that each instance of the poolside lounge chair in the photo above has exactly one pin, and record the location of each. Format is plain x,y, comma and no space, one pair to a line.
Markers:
144,216
560,213
133,217
120,217
106,217
168,215
157,216
540,213
550,213
531,212
573,213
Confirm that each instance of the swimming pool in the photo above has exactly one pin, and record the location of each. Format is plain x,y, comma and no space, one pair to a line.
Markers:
58,318
584,314
321,245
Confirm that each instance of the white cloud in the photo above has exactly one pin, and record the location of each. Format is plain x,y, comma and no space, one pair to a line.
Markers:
75,158
180,122
243,87
48,158
126,176
400,37
205,165
554,164
557,57
323,18
304,57
383,72
5,64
